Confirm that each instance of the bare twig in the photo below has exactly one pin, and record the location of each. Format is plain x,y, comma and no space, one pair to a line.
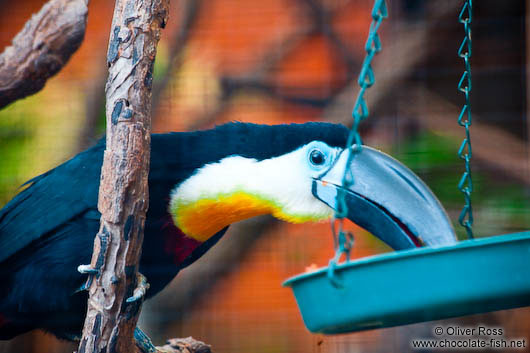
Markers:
42,48
123,195
185,345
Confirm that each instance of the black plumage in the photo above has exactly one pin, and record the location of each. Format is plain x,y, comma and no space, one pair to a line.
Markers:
47,230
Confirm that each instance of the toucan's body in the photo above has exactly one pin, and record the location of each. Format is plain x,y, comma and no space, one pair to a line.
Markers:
199,183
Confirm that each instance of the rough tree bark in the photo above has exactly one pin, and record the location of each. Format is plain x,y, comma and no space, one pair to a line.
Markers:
42,48
123,193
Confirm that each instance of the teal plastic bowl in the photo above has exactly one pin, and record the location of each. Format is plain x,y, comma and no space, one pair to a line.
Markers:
424,284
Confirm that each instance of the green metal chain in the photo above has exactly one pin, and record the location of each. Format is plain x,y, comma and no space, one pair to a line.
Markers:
344,242
464,119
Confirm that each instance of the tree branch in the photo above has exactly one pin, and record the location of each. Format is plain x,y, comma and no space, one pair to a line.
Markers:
184,345
123,193
42,48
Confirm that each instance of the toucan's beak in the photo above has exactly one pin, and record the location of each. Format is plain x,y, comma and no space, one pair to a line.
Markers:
387,199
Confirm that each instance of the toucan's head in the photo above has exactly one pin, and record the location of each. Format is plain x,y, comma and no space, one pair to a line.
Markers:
294,173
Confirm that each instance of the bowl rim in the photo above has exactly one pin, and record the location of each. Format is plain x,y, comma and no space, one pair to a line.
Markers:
396,256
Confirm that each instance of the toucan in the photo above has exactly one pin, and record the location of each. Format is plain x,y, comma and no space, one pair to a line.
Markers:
199,183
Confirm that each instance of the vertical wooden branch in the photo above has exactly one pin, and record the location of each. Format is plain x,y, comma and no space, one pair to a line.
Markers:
123,193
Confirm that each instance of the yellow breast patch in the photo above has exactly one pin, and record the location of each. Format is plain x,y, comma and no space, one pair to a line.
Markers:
205,217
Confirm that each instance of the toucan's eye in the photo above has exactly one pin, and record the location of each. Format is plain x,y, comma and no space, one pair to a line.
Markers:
316,157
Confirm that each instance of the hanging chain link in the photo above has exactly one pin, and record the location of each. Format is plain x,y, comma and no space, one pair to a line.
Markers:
344,241
464,119
360,108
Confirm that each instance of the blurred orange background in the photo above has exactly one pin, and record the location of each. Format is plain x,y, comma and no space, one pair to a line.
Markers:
281,61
